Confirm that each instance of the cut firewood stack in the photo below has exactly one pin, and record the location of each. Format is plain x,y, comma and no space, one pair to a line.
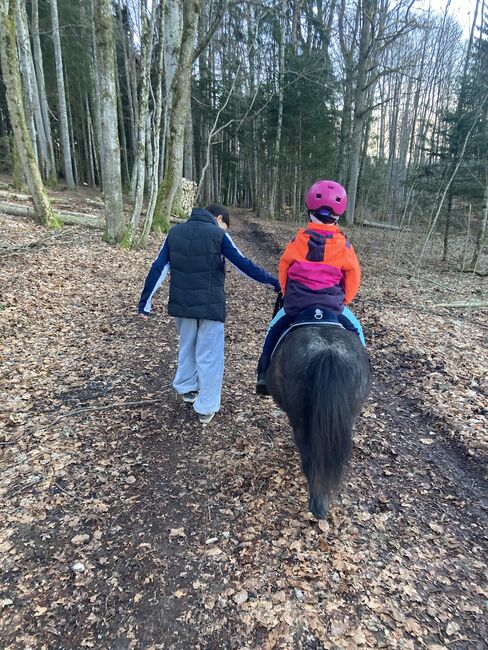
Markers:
188,195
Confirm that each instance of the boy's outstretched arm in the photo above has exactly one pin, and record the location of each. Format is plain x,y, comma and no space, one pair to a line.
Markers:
230,251
155,278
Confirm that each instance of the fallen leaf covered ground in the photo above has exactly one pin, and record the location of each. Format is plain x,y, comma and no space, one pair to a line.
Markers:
128,525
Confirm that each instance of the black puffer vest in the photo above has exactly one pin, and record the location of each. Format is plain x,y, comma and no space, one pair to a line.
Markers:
196,287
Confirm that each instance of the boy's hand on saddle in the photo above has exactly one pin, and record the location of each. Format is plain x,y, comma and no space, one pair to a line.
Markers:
279,302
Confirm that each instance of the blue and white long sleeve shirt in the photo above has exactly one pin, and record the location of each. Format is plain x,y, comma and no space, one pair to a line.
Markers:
161,266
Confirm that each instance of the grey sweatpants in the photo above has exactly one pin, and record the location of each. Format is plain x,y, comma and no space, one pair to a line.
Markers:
200,362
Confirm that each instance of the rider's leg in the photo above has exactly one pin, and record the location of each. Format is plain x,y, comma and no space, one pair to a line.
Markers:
277,327
347,313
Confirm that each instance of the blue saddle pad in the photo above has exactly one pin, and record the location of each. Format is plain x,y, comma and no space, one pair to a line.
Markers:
311,316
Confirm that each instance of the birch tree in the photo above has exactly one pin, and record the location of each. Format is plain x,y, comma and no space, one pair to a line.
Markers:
31,93
139,168
173,26
51,174
63,111
110,159
180,98
154,136
25,72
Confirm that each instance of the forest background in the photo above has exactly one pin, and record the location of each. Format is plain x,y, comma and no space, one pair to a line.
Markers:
126,524
252,101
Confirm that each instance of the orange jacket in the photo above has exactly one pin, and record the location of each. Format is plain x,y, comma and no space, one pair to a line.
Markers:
319,262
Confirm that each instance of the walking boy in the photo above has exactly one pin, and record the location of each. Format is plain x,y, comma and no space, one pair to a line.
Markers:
194,253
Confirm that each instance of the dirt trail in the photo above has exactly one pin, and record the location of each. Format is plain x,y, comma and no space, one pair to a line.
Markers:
137,528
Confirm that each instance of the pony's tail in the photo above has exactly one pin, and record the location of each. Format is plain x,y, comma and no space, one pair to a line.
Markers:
330,417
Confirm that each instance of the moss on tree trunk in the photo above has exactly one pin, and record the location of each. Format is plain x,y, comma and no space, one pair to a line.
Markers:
11,76
168,199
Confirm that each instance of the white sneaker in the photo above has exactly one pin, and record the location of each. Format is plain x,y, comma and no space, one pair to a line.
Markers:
205,418
190,397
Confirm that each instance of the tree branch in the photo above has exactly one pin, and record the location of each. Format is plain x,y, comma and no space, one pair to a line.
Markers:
213,28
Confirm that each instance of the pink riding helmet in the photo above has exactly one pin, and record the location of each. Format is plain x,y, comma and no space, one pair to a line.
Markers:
327,194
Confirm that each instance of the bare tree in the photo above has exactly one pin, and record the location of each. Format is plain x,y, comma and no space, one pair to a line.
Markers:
482,234
274,203
63,111
51,175
31,94
9,61
112,182
380,26
180,98
154,132
139,168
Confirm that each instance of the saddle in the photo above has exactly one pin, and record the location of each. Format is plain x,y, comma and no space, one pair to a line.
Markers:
315,316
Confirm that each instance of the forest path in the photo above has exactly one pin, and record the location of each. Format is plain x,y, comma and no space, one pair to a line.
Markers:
136,527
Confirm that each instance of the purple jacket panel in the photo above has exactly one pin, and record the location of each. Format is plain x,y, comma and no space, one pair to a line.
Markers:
298,297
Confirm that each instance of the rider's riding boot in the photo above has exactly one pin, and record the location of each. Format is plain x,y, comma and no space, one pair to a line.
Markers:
261,388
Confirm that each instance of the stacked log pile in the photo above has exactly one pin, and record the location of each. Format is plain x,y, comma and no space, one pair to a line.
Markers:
188,195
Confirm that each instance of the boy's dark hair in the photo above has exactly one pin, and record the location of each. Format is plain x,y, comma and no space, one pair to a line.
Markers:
217,209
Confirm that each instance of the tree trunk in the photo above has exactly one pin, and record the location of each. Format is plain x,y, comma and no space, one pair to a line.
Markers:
274,207
348,89
345,135
18,176
11,76
173,25
359,111
172,40
481,239
295,25
71,218
25,73
447,225
180,98
139,169
123,138
63,112
96,121
155,134
75,156
51,175
112,182
31,90
188,163
88,171
91,141
355,158
130,99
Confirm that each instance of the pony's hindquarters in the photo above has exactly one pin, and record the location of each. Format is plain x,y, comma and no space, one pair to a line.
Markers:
320,377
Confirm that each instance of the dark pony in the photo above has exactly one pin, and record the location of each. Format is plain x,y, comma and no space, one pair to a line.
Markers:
320,377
